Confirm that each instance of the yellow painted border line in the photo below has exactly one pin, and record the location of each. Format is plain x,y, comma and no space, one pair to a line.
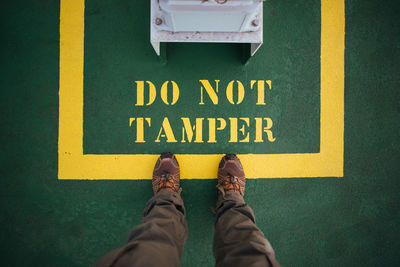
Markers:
73,164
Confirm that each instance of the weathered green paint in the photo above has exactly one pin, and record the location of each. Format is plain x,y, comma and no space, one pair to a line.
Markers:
352,221
118,53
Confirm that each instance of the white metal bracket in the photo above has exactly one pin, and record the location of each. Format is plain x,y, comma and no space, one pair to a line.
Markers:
208,21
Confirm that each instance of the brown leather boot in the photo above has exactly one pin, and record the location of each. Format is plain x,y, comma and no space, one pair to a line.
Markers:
231,175
166,174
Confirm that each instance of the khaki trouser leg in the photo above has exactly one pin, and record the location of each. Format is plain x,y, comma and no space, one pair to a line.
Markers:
237,240
159,240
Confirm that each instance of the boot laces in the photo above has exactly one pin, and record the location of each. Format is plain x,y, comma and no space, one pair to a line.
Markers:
231,180
165,177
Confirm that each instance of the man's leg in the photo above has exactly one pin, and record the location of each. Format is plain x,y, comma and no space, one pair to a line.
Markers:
159,240
237,240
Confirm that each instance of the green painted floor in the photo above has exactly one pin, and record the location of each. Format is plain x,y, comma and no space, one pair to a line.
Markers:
352,221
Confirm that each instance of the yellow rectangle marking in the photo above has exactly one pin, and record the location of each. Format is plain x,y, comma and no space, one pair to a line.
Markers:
73,164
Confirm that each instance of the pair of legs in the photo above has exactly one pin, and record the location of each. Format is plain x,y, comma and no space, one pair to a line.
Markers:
159,240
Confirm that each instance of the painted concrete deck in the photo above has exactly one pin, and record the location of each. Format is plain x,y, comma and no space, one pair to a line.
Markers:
322,221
